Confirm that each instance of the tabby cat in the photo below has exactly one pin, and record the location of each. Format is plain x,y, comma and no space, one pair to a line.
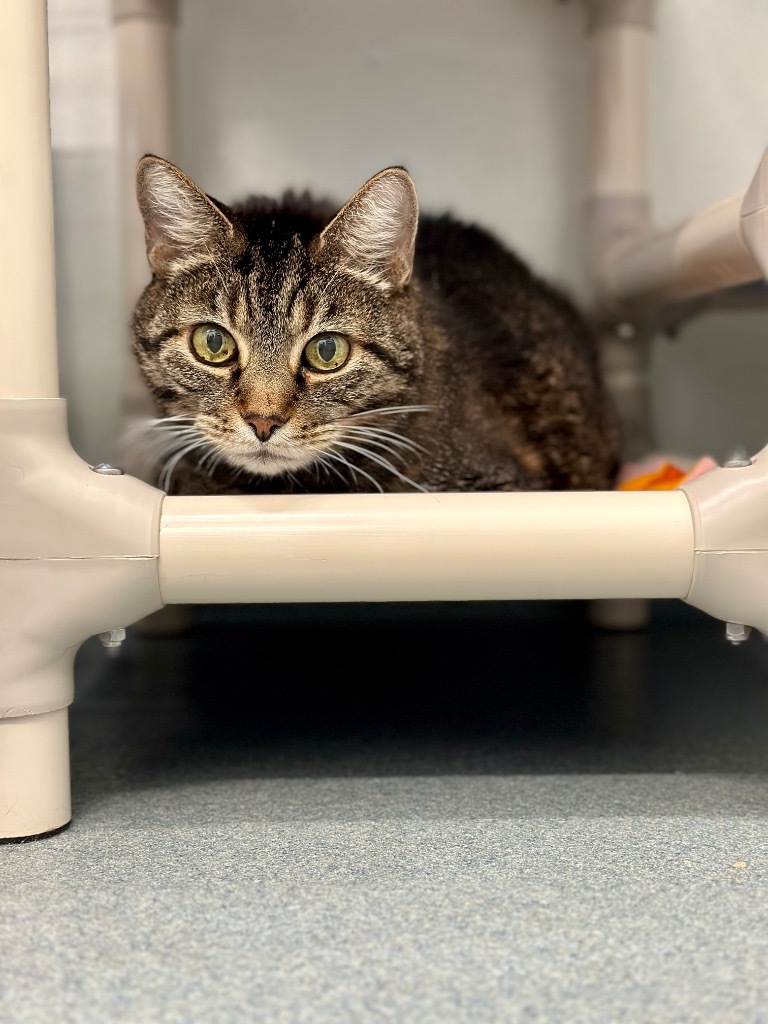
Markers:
290,347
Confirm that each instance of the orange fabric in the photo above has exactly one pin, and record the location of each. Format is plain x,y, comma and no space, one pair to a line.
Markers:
665,478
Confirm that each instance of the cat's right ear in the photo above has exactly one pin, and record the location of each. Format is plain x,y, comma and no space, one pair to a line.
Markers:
181,224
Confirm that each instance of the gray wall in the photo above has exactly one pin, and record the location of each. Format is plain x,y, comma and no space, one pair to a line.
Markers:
483,102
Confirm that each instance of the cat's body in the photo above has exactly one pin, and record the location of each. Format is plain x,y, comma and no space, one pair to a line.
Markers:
304,351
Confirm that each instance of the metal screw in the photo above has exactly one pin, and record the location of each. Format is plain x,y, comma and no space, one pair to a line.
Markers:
112,639
105,469
737,461
736,632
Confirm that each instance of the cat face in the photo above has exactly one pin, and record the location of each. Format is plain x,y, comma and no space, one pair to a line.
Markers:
274,339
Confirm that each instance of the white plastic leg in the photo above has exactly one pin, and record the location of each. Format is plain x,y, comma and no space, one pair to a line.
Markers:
621,615
78,556
34,774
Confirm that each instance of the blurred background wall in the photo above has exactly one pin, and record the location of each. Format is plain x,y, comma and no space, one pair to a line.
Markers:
485,105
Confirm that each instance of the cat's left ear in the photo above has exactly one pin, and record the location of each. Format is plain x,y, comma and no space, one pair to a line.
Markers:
375,232
182,226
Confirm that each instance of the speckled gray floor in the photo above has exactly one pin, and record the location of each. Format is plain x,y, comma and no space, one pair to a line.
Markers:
463,813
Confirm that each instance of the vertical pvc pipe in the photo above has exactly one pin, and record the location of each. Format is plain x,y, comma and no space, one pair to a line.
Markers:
34,749
34,775
27,282
146,48
618,206
618,191
619,61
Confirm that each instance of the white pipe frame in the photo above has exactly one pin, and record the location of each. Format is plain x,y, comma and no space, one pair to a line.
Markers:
618,201
26,206
82,552
145,37
708,253
638,268
618,206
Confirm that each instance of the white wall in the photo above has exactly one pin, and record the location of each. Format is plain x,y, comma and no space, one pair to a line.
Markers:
483,102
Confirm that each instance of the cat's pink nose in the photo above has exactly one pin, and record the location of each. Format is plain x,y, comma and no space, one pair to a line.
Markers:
264,426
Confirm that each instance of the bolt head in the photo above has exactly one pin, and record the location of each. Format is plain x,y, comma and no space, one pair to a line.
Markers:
626,330
104,469
736,632
738,460
112,637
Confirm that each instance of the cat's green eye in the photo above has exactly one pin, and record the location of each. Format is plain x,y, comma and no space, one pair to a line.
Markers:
212,344
326,352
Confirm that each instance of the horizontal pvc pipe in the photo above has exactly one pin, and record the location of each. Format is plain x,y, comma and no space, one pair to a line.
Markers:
34,774
27,285
415,547
705,254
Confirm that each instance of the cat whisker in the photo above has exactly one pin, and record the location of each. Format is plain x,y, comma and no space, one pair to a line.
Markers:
165,445
330,468
142,432
149,425
296,482
214,458
321,469
391,436
165,441
355,469
376,444
164,421
210,455
151,442
381,461
167,471
391,410
170,446
321,460
315,468
150,422
167,438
